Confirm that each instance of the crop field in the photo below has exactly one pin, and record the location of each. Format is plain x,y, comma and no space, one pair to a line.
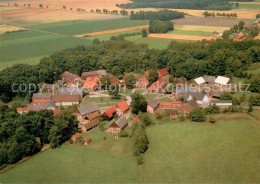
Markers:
215,22
193,152
192,33
249,5
28,47
200,28
5,28
180,37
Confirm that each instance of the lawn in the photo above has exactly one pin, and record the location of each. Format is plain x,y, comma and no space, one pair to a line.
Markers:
106,37
201,153
249,6
254,68
190,32
102,101
83,26
29,47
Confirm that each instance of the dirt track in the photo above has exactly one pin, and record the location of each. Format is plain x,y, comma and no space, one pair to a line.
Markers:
180,37
112,31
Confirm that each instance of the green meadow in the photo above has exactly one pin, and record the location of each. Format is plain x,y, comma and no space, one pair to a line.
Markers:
179,152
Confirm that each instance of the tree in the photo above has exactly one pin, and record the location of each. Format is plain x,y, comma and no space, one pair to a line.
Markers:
96,41
40,5
152,76
144,33
64,7
105,82
130,81
139,103
116,71
241,25
114,91
212,120
225,96
197,115
237,5
258,16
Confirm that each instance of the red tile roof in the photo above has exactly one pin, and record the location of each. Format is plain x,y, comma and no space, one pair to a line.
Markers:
93,115
90,84
87,139
56,112
123,106
163,72
136,119
65,98
109,112
21,109
77,135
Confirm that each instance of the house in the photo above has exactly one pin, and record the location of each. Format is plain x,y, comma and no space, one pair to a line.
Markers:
118,126
97,73
61,83
222,103
87,140
71,91
38,106
158,86
109,113
88,126
91,85
93,115
75,137
180,80
142,83
87,109
21,110
200,98
47,88
170,105
223,81
121,108
163,72
41,97
56,112
69,77
152,105
65,99
216,95
180,91
206,79
136,119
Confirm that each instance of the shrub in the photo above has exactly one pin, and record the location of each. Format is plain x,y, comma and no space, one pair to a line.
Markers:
212,120
140,160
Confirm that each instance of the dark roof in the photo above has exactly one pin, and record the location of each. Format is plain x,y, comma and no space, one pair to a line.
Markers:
88,108
71,91
38,106
197,95
216,94
121,122
153,103
65,98
91,73
69,76
209,79
181,90
41,95
92,124
193,103
60,82
180,80
45,86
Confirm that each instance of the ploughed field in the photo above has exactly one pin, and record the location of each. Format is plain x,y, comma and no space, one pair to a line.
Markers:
181,152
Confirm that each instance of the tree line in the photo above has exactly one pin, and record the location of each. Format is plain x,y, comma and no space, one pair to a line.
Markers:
213,14
163,15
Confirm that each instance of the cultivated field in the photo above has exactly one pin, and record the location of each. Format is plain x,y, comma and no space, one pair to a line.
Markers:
200,28
180,37
5,28
193,152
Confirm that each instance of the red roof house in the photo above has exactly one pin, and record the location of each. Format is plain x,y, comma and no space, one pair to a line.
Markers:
136,119
109,113
121,108
93,115
56,112
75,137
163,72
91,85
158,86
170,105
87,140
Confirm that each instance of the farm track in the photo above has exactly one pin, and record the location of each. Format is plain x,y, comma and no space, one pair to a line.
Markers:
180,37
112,31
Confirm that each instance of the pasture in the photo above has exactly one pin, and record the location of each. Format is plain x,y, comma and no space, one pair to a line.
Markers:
226,152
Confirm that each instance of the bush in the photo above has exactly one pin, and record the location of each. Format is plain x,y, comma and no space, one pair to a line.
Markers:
140,160
258,16
157,26
212,120
159,116
144,33
123,134
197,115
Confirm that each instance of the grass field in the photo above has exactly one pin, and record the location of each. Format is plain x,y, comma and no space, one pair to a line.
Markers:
29,47
179,152
254,68
192,33
249,6
84,26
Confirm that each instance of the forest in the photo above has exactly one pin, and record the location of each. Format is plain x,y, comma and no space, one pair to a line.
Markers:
191,60
180,4
162,15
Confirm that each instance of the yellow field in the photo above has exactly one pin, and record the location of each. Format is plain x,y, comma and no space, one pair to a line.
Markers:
200,28
180,37
5,28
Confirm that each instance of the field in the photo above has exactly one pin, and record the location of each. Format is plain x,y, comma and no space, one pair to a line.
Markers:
5,28
180,37
227,152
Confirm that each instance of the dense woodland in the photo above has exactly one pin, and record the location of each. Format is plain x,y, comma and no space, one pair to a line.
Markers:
163,15
118,57
181,4
158,26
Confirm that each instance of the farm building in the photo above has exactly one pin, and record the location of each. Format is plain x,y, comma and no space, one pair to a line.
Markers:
152,105
170,105
118,126
88,126
158,86
180,80
109,113
38,106
180,91
65,99
222,103
142,83
61,83
71,91
98,73
41,97
87,140
93,116
170,112
163,72
222,80
75,137
91,85
188,107
122,108
200,98
47,88
69,77
86,109
206,79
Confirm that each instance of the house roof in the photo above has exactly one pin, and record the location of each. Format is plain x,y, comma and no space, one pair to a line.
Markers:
216,94
91,124
199,96
56,112
91,73
121,122
109,112
65,98
209,79
41,96
163,72
161,83
60,82
186,108
193,103
199,80
45,86
93,115
21,109
38,106
123,106
90,84
136,118
180,90
88,108
71,91
222,80
77,135
153,103
69,76
180,80
87,139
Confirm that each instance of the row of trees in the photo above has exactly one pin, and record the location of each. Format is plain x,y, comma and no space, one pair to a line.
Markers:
213,14
180,4
23,135
163,15
157,26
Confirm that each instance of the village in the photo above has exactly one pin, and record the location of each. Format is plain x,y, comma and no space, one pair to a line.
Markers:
161,98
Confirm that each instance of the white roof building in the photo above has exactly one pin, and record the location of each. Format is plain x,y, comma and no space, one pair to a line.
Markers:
200,80
222,80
